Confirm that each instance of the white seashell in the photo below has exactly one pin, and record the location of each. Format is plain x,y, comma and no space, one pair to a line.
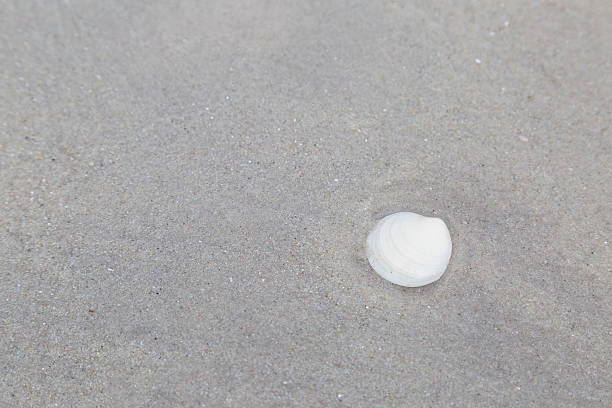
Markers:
409,249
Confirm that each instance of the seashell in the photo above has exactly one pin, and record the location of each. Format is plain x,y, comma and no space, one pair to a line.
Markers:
409,249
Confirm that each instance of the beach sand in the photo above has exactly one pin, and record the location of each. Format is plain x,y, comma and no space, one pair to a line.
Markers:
186,189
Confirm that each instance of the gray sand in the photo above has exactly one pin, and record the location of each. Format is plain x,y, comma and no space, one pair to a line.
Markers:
186,188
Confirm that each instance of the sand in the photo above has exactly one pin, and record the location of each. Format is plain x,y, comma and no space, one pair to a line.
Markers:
186,188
